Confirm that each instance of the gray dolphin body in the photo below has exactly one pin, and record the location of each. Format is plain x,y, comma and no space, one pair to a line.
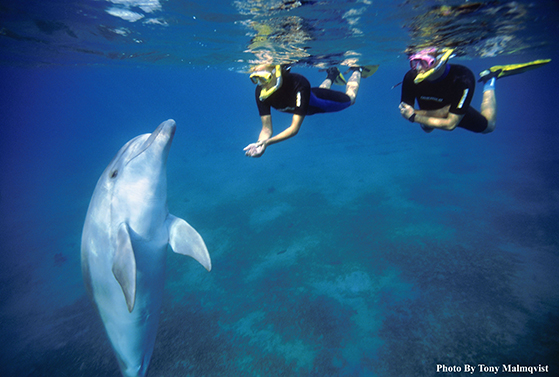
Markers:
124,242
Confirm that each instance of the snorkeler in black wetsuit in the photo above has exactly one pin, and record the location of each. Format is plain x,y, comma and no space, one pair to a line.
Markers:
297,97
444,92
292,93
453,89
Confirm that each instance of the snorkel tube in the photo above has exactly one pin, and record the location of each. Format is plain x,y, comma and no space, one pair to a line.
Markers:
265,93
443,59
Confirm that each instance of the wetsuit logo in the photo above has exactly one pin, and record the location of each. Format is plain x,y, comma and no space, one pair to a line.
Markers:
426,98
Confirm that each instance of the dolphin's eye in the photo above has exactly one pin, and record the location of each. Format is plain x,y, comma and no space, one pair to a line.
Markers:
114,173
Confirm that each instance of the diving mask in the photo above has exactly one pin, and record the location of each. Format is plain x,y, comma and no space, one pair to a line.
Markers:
431,64
423,59
263,78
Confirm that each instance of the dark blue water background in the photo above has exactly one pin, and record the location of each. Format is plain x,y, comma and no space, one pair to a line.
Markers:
361,247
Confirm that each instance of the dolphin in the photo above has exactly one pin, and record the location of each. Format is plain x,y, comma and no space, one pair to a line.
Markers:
124,241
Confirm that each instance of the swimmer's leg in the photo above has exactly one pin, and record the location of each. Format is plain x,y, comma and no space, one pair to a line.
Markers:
489,105
352,86
326,84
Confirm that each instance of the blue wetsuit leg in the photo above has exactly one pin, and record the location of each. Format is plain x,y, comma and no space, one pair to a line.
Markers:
327,101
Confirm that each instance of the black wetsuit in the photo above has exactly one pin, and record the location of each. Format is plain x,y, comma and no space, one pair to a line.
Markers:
455,88
296,96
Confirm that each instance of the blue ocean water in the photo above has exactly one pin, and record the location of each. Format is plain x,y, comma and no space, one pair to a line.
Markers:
361,247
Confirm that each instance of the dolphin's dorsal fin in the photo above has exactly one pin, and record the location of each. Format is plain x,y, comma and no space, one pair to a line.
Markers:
185,240
124,265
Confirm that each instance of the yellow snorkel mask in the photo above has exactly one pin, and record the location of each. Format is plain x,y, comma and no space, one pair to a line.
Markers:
263,78
444,55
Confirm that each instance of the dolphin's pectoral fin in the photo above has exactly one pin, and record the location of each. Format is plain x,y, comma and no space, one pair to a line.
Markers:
185,240
124,266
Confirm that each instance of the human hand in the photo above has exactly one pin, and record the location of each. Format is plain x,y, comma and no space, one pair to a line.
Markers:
255,149
406,110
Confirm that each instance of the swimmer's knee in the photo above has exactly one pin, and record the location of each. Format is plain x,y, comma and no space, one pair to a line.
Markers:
490,127
352,95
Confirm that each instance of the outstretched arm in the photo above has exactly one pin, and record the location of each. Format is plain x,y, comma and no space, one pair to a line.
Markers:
289,132
257,149
267,129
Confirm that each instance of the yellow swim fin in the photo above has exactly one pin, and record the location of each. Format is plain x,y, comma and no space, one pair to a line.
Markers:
339,80
499,71
368,70
333,73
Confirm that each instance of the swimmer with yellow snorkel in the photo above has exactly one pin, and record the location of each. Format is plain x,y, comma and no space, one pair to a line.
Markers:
291,93
444,91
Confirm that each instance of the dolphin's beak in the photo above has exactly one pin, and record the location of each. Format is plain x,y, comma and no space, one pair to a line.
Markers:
166,129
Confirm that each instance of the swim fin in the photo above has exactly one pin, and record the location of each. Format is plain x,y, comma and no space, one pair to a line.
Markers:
500,71
333,73
366,70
